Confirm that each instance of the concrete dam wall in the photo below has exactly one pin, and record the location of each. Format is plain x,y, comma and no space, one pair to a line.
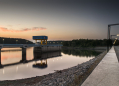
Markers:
47,48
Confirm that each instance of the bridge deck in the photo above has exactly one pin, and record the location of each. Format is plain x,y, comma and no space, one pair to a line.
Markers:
28,45
106,73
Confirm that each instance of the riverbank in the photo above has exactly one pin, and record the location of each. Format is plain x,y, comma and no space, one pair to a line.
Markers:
67,77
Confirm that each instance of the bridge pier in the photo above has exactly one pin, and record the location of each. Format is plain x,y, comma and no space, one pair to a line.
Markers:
23,55
0,58
1,66
0,55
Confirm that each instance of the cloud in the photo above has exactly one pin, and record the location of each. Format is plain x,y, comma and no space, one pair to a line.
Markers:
3,29
22,30
9,25
37,28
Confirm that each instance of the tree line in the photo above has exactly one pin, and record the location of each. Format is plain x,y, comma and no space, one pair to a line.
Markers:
4,40
89,43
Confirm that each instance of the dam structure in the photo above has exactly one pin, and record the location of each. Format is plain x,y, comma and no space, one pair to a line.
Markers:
38,48
43,46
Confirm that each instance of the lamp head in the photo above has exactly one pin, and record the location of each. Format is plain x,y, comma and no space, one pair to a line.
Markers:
117,34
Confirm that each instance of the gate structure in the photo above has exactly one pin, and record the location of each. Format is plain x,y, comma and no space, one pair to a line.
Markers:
42,38
109,42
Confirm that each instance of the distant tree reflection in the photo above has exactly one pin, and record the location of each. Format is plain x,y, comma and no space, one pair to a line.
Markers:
87,53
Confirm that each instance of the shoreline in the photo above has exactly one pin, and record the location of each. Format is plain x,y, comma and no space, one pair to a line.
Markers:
86,48
64,77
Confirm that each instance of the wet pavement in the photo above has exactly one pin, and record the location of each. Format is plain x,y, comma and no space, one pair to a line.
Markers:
107,71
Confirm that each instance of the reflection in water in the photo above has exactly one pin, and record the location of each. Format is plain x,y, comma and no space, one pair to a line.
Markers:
10,57
3,71
37,56
47,55
44,56
13,50
41,64
14,69
23,58
87,53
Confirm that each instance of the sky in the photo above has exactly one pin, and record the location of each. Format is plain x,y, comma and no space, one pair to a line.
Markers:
58,19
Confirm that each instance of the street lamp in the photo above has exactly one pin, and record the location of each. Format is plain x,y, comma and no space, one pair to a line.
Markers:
117,34
115,38
3,41
115,41
109,28
114,35
108,35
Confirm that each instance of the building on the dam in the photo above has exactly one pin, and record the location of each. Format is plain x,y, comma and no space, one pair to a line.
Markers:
46,46
43,40
52,42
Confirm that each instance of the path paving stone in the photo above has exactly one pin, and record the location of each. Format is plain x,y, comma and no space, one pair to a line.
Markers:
106,73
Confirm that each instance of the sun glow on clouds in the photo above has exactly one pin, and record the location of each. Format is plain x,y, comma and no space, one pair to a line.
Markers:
4,29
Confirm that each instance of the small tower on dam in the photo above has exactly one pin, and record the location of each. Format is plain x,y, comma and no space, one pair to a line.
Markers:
43,39
44,47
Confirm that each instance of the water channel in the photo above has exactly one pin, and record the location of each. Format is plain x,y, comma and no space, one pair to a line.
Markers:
58,60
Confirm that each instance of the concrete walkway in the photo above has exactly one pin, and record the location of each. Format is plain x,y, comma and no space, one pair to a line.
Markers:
106,73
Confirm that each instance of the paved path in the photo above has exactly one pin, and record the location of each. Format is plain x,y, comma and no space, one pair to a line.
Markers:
106,73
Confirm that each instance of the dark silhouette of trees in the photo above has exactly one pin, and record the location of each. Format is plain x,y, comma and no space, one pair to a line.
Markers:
14,41
88,43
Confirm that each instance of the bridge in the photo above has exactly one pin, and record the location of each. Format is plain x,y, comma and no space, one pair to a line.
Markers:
37,48
37,57
40,48
26,45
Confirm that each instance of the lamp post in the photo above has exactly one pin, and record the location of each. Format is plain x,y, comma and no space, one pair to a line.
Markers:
114,35
3,41
115,41
108,36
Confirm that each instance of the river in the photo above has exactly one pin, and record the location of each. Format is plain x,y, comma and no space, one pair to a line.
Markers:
58,60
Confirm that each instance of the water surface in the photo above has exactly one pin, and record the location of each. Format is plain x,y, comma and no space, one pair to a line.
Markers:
54,60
